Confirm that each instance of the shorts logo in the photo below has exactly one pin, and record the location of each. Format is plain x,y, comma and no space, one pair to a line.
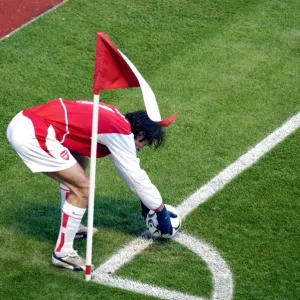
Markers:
64,154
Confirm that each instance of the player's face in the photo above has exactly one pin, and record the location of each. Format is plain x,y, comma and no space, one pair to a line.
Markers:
139,141
139,144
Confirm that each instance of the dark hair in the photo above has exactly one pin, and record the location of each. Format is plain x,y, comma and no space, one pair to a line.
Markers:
140,122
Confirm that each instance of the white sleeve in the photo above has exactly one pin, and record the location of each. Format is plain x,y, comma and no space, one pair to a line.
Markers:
123,155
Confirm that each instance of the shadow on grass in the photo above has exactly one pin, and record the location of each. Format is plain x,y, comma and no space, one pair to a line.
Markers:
42,221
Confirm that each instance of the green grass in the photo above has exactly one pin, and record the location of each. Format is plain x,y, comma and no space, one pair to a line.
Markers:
181,269
254,221
230,69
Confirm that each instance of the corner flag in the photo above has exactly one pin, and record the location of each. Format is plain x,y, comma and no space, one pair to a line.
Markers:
113,70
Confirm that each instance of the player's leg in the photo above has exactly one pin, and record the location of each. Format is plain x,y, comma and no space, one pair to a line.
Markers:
65,191
77,180
56,161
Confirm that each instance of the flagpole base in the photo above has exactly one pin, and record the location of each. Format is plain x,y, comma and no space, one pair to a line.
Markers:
88,277
88,272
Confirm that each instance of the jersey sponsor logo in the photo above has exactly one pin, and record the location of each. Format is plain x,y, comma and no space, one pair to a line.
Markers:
64,155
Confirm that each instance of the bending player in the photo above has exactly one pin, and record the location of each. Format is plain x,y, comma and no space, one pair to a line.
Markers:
55,139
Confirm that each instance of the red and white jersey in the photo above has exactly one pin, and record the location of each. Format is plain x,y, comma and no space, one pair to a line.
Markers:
71,121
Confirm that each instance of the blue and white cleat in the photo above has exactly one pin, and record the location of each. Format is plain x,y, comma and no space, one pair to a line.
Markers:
71,261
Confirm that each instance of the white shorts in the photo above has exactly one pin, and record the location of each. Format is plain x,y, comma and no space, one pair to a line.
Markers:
21,135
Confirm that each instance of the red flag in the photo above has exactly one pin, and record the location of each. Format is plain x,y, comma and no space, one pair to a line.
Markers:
111,70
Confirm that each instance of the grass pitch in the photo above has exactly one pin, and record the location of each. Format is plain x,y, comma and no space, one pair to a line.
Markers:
230,69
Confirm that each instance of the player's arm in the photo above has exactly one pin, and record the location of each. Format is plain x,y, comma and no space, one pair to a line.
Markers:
123,156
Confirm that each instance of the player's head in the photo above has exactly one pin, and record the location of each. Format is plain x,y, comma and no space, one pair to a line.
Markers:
144,129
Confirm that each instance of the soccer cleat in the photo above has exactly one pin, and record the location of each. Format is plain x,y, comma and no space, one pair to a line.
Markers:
71,261
82,232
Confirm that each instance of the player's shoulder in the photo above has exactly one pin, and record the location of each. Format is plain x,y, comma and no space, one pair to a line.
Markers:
116,122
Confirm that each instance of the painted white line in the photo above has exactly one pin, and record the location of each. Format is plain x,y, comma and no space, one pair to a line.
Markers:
143,288
33,20
125,254
209,189
240,165
222,278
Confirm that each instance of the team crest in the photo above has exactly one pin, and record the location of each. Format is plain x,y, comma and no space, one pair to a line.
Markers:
65,155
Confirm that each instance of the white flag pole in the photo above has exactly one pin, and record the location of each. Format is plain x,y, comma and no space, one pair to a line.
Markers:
89,246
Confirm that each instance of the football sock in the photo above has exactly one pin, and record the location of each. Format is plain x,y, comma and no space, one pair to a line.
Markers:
64,192
70,222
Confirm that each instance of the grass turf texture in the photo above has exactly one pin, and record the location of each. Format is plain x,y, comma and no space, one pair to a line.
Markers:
230,69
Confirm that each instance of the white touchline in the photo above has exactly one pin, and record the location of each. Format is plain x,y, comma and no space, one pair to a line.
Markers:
33,20
240,165
222,277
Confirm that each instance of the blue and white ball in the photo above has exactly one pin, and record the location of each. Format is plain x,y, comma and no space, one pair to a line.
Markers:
151,223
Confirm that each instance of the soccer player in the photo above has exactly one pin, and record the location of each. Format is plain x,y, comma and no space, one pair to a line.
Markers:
55,139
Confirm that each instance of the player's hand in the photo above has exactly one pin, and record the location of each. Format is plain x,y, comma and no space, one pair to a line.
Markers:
164,221
145,210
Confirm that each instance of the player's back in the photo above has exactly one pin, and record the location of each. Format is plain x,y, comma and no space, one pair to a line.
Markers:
72,122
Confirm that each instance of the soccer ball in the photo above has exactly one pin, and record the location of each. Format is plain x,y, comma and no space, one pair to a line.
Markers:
151,223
